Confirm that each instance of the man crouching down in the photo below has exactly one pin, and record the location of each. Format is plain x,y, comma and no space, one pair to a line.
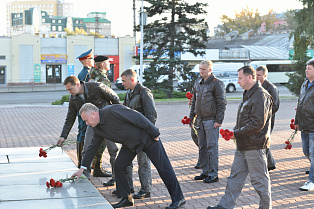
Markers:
136,133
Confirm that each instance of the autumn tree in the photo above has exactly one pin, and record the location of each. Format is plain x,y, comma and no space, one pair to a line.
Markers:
178,29
302,40
269,19
247,19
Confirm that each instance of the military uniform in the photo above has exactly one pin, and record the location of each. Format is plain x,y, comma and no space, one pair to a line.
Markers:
82,76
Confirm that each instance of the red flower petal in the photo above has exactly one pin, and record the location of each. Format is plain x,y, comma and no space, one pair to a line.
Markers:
222,131
47,184
52,183
185,117
292,120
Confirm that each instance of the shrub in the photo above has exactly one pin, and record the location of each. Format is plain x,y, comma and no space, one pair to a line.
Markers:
64,98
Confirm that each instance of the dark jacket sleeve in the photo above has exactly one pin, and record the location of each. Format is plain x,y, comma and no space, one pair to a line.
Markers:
220,95
92,150
192,107
273,91
137,119
148,105
259,114
108,94
70,119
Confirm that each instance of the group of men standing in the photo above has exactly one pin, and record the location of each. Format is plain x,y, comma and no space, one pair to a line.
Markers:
96,106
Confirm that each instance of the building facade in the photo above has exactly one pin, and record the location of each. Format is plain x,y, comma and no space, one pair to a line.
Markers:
50,7
28,59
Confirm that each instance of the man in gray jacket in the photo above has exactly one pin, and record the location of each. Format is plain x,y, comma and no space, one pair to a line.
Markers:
304,121
261,76
209,104
251,133
141,99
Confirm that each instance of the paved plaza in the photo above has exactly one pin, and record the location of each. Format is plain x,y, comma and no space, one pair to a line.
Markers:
40,126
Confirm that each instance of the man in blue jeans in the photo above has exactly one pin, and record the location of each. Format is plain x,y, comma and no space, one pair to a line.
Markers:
304,121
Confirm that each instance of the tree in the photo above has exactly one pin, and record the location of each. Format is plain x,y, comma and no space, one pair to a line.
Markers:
177,30
303,39
246,20
269,19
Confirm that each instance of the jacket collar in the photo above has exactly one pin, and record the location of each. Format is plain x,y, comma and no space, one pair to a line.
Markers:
248,93
136,90
211,77
102,120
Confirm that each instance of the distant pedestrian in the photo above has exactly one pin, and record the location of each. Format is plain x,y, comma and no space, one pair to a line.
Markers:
261,76
251,132
209,104
304,121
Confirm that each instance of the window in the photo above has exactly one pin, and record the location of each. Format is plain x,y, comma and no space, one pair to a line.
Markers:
43,20
60,28
53,21
2,57
59,21
53,28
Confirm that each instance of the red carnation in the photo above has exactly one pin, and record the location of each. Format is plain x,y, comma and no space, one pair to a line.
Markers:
189,95
292,120
52,183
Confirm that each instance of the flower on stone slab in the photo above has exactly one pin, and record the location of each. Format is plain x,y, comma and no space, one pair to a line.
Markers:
43,152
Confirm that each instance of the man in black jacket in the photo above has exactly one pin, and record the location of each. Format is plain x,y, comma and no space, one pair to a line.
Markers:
136,133
81,92
261,76
209,104
304,120
252,132
141,99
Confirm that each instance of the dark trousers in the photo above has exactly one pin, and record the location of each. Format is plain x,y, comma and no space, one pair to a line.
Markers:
160,160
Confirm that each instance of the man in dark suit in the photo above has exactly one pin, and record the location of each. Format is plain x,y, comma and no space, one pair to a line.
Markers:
136,133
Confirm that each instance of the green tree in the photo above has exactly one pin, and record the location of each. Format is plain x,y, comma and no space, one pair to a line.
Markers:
303,39
178,29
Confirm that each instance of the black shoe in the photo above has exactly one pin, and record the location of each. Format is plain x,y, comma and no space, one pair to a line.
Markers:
123,203
111,182
307,172
211,179
216,207
100,173
272,168
141,195
115,191
198,166
200,177
177,204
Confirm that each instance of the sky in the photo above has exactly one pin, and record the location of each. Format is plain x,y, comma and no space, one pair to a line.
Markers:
120,12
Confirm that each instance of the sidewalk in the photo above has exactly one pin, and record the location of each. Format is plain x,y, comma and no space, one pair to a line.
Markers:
38,126
23,177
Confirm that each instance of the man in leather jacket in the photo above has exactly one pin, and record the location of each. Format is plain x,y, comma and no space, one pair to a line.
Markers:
141,99
304,121
209,104
81,92
252,132
261,76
